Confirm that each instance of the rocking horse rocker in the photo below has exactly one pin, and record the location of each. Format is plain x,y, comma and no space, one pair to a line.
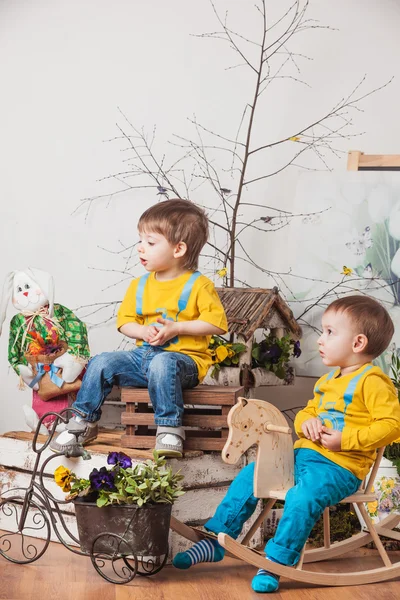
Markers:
256,422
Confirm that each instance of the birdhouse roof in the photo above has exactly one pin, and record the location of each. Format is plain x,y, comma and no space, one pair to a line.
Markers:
249,309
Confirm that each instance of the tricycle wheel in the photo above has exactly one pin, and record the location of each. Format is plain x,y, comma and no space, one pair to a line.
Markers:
110,554
23,518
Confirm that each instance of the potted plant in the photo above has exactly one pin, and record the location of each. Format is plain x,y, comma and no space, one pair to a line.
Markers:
387,480
224,354
133,502
392,452
273,353
270,360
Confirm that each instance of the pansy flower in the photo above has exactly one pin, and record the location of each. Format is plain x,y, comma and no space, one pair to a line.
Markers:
102,479
120,459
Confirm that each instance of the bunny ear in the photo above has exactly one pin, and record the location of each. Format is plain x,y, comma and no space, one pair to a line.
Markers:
5,298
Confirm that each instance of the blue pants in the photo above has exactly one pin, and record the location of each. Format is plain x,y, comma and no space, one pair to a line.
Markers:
319,483
164,373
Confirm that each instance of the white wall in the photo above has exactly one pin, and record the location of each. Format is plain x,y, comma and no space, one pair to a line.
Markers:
66,66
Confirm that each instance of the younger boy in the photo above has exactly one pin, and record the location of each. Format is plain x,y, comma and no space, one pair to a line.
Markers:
171,312
355,410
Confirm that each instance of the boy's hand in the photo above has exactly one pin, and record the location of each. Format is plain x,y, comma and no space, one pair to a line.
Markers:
331,439
168,330
149,332
312,429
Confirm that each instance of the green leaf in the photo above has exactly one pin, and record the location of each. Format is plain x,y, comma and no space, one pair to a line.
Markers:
102,501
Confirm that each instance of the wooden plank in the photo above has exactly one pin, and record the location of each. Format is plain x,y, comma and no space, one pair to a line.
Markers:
206,394
209,421
353,160
103,444
200,470
358,161
144,441
379,160
225,430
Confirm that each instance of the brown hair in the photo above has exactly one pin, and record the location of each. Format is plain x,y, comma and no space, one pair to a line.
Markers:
178,221
370,318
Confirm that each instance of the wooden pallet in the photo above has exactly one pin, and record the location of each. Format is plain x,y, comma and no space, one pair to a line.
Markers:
206,410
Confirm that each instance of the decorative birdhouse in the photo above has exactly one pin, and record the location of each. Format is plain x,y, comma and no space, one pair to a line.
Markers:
249,310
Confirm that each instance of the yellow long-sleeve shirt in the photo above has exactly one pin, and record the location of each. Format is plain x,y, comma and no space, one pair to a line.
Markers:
364,406
162,298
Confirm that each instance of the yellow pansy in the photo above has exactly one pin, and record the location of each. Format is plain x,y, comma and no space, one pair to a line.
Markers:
222,272
372,507
222,353
63,477
390,484
347,271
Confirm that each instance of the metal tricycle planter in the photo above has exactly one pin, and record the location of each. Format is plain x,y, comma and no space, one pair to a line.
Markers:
121,540
103,531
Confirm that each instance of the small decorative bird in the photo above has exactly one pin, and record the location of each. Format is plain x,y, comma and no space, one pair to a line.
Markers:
347,271
294,138
266,219
162,191
225,191
222,272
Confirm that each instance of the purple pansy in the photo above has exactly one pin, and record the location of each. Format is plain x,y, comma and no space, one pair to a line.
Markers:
120,459
296,349
271,353
102,479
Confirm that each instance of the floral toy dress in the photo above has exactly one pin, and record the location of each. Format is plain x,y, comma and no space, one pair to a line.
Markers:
41,334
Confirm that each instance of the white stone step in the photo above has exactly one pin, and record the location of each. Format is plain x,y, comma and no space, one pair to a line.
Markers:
206,479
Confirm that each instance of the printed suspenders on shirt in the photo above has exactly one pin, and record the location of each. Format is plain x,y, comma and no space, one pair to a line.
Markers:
182,303
336,417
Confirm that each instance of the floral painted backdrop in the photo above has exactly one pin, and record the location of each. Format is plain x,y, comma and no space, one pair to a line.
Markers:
347,240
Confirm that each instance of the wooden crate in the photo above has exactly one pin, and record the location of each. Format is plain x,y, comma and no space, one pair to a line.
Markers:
204,420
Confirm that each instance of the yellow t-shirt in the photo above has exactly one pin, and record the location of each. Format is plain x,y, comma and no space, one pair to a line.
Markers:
364,406
160,298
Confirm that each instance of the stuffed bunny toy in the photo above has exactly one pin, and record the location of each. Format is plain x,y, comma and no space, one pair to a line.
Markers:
32,294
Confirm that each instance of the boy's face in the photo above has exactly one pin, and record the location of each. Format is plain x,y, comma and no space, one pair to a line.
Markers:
155,252
340,344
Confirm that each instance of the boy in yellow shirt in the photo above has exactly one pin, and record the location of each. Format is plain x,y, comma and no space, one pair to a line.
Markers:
172,311
355,410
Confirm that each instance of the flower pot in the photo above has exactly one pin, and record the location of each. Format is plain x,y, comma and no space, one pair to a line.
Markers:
144,529
225,376
259,376
386,485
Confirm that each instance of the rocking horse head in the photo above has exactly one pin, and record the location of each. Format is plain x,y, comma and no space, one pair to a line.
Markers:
244,430
257,422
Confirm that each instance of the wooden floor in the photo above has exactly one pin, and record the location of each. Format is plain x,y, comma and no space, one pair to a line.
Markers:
61,575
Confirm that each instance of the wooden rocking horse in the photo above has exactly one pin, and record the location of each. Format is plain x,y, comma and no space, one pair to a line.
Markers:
256,422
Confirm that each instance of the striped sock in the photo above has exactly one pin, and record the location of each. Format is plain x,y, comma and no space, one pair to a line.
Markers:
204,551
265,581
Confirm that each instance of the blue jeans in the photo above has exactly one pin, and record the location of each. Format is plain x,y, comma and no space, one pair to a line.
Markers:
319,483
164,373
